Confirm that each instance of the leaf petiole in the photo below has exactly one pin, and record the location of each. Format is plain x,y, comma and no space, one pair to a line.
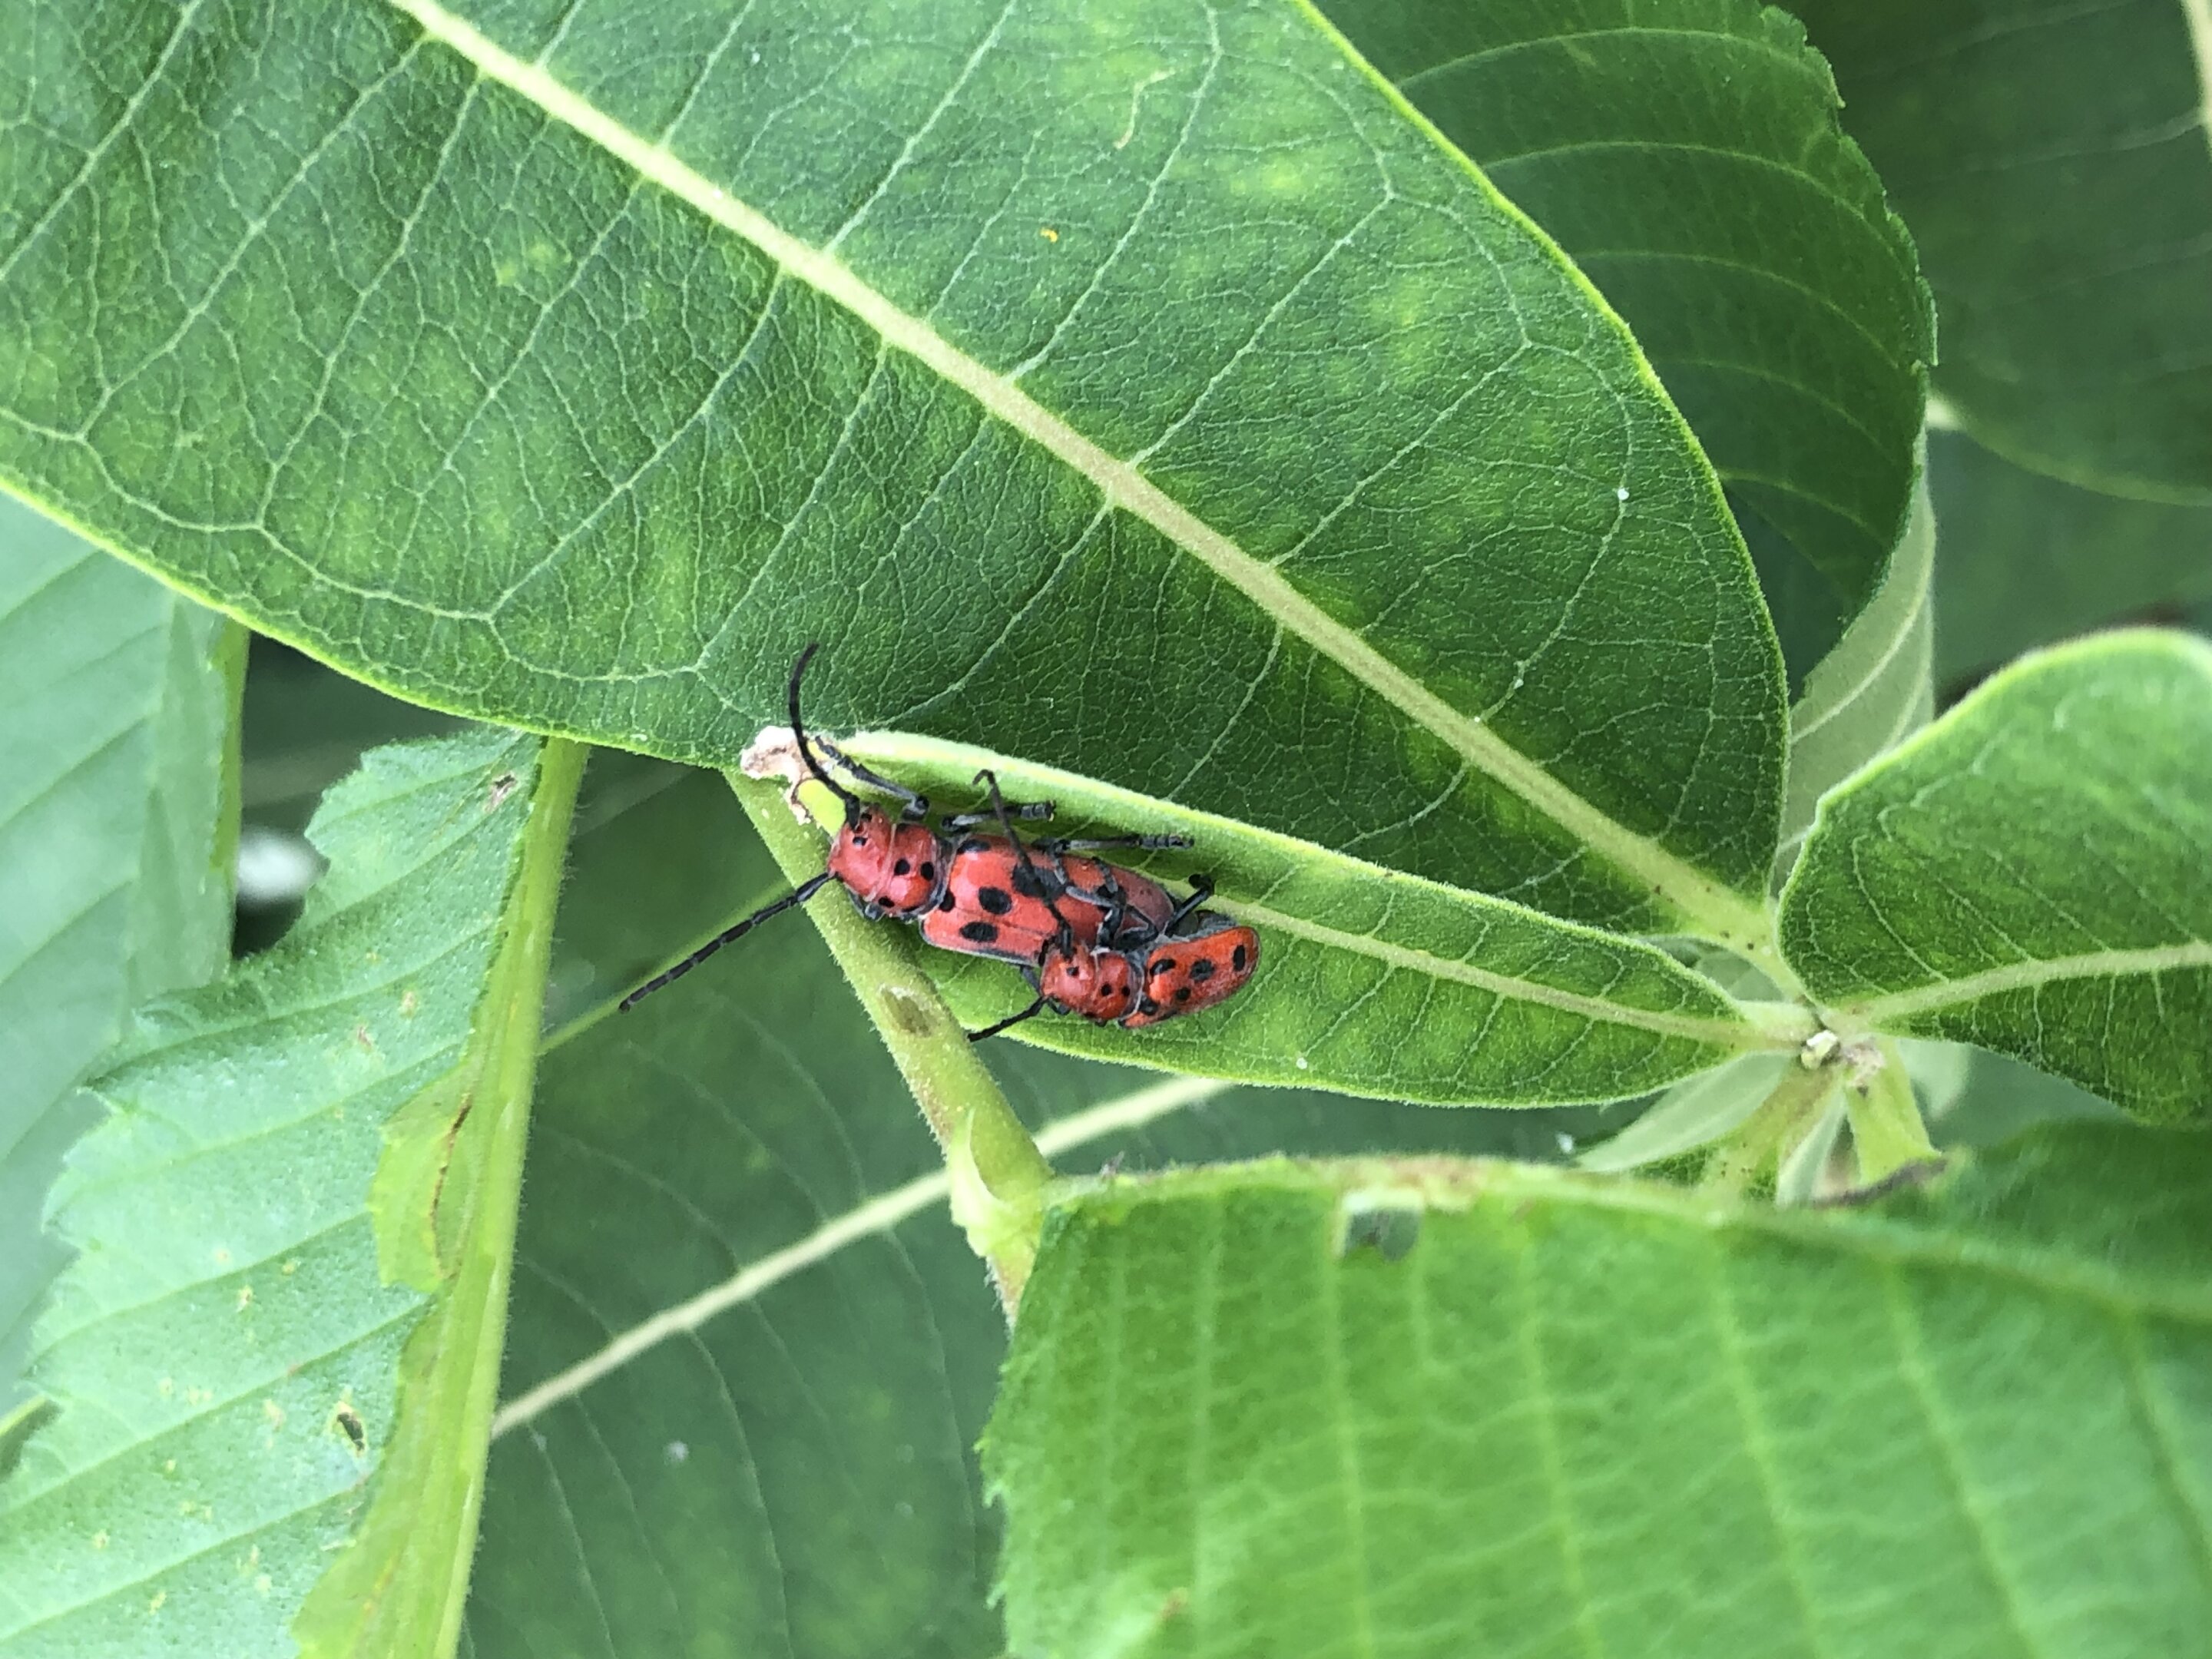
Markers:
998,1175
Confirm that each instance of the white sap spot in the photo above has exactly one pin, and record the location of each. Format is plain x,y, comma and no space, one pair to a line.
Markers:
755,54
274,866
1301,1062
676,1452
1621,493
1566,1142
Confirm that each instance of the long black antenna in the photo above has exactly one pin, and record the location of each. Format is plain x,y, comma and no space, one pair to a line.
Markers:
1040,887
804,892
1034,1009
806,750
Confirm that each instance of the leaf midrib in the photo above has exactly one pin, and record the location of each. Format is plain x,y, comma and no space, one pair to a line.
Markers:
2028,976
879,1212
1720,1031
1708,905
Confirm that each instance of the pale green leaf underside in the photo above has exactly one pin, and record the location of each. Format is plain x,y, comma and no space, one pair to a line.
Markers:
1371,980
2053,163
112,849
1696,1112
743,1400
574,365
1444,1409
1686,156
2028,875
1874,689
225,1302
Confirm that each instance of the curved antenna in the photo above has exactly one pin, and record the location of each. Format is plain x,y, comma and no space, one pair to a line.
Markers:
1042,888
804,892
806,749
1030,1012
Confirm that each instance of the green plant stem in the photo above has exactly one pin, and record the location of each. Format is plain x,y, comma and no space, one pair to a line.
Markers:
1758,1150
1886,1129
999,1176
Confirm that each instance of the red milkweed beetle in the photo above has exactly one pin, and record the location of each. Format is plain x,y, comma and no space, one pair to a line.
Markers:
978,895
1138,969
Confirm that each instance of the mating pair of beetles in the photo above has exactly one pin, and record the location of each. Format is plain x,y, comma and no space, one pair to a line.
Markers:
1092,938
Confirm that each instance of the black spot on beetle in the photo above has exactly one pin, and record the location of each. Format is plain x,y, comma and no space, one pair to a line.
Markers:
1182,993
901,867
928,870
996,900
1148,1006
1202,968
1236,958
983,933
946,903
1163,965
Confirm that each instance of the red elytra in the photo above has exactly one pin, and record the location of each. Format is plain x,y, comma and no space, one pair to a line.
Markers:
985,896
1012,902
1142,984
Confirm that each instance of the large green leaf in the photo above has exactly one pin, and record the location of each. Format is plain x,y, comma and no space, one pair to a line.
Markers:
2028,559
1443,1408
2028,875
750,1355
1132,387
2052,164
229,1361
1371,980
1688,156
116,830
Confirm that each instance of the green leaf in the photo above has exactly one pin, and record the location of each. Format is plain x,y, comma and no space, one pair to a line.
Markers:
445,1198
2052,165
227,1358
1687,154
1442,1408
2028,875
2028,560
1696,1112
1369,981
572,366
749,1355
118,818
1871,692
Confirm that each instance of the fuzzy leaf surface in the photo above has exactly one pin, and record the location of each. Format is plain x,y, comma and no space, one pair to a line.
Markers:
1371,980
1688,156
225,1332
2052,163
2028,875
574,365
1436,1407
116,823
